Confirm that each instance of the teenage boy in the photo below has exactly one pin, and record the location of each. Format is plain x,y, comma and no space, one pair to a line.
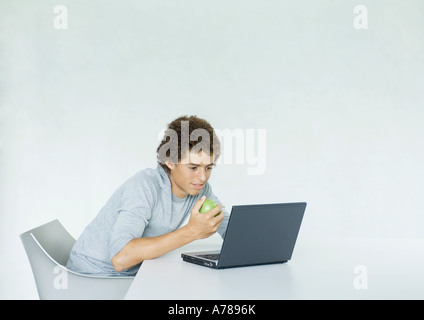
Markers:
142,219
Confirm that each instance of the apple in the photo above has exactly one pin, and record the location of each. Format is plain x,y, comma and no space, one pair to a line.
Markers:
207,206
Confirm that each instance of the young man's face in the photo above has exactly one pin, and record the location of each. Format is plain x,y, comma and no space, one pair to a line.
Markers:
190,174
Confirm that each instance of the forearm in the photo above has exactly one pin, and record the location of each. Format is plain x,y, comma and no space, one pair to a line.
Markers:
199,226
140,249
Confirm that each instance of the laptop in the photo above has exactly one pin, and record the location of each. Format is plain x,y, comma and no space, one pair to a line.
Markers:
256,234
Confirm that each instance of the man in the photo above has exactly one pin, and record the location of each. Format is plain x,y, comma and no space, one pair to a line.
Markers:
142,219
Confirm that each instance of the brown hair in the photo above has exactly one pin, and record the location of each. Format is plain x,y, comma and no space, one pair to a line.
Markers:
183,135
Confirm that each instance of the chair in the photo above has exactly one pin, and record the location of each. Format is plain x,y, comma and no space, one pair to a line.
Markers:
48,248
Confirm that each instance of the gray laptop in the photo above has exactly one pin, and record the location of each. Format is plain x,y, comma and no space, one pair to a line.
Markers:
256,234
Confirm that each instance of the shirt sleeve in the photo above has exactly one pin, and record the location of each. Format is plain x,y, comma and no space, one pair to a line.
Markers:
134,213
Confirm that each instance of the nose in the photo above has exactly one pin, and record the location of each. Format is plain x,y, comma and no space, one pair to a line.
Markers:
201,176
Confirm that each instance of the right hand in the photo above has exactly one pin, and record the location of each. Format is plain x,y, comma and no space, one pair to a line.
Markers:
203,225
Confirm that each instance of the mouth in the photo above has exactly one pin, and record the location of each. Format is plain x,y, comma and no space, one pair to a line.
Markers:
197,186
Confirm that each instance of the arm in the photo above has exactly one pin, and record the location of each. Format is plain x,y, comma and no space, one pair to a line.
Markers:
200,225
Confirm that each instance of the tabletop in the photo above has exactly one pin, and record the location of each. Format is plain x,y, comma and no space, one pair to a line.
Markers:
325,268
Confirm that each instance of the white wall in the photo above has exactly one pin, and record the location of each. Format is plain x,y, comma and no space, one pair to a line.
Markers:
81,109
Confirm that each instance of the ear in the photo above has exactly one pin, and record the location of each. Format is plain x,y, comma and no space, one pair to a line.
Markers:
170,165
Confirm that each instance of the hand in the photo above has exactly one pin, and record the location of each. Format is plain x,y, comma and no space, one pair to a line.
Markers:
203,225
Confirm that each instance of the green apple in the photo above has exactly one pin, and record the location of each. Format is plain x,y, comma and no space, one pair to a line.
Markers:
207,206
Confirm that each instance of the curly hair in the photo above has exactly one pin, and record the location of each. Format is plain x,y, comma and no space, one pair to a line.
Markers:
183,135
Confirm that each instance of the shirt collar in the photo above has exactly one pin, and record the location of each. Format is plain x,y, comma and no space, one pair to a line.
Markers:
164,181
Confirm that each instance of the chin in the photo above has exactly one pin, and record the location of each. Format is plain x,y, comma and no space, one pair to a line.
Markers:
194,192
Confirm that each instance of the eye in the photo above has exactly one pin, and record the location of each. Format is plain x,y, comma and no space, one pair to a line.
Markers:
192,168
209,168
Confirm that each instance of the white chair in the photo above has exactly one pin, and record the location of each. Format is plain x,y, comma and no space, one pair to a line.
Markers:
48,248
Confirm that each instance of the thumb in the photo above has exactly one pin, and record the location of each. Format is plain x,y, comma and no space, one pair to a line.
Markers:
199,203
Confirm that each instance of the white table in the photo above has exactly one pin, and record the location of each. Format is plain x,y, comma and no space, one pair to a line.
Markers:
319,269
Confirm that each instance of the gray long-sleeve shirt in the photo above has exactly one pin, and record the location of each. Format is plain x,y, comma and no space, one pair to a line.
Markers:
143,206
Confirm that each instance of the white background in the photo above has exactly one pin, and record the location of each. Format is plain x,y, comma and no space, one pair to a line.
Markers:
81,109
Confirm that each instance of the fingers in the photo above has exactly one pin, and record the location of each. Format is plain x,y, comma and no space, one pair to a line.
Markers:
215,215
198,204
215,211
205,224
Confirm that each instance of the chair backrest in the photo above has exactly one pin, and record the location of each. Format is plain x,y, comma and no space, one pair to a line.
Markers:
53,238
48,248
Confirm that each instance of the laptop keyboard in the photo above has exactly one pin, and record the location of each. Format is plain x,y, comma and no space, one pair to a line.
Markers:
214,256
